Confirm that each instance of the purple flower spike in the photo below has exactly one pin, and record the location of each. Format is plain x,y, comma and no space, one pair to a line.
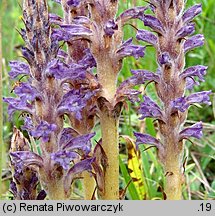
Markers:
64,158
43,130
146,139
193,131
18,68
150,109
193,42
147,36
128,49
191,13
27,91
183,103
186,30
195,71
110,27
153,23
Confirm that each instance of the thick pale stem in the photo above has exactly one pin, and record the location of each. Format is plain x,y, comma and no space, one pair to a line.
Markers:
174,180
109,129
89,186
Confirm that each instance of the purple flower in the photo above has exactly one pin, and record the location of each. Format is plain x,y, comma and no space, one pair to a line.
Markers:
81,20
133,13
20,104
146,139
153,23
64,158
28,124
110,27
80,142
191,13
195,71
144,75
186,30
193,131
183,103
190,83
164,59
73,3
66,135
193,42
62,54
53,18
150,109
84,165
73,102
58,1
18,68
68,32
147,36
128,49
25,158
43,130
27,91
60,70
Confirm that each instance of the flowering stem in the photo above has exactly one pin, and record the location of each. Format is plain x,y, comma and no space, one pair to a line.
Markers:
109,129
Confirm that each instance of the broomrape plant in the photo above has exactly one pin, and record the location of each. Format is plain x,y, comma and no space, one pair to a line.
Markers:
71,70
173,27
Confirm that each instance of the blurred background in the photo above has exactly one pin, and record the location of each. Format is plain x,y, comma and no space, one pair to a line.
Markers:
143,177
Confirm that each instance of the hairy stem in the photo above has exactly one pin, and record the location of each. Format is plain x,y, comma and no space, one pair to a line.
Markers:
109,129
174,180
